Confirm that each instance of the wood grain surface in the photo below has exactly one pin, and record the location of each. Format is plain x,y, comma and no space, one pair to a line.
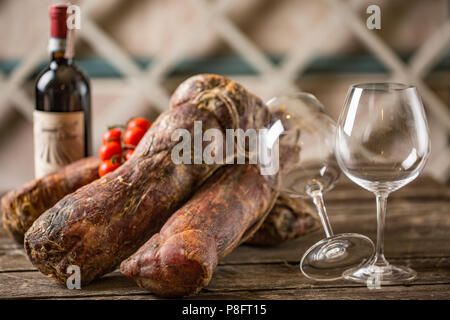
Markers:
417,235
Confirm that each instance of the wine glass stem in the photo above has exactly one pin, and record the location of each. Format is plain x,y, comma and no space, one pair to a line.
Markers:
317,197
379,259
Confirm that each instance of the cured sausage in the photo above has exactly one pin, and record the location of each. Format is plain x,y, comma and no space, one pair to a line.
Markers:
181,258
104,222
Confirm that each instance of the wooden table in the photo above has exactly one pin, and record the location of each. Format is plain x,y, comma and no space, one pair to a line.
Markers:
417,235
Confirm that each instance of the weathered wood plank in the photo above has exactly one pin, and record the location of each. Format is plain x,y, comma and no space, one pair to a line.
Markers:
417,234
412,230
289,276
6,242
15,260
419,292
25,285
259,277
262,278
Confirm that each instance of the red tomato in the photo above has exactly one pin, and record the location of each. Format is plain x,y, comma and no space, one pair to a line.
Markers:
109,150
112,135
132,136
108,166
128,154
139,123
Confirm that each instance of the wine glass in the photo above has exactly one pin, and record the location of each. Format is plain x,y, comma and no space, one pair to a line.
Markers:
382,143
310,169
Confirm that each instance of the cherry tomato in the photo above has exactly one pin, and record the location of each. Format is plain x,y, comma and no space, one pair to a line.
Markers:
108,166
132,136
109,150
128,154
139,123
112,135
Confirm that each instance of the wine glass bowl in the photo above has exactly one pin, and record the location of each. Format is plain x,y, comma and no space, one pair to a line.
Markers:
309,131
382,144
388,138
307,137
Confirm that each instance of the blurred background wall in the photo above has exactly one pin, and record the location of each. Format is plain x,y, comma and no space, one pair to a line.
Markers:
137,51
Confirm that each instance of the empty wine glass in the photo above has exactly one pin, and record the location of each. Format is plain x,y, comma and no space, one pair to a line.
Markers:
382,144
308,137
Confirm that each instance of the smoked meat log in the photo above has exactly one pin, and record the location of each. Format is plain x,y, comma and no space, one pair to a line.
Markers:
104,222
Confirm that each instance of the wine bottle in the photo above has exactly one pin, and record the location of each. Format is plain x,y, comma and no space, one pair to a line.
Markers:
62,117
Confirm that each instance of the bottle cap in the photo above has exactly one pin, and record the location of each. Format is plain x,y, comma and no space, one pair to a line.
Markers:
58,20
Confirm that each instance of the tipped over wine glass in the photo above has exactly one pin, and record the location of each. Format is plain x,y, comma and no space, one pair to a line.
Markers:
305,129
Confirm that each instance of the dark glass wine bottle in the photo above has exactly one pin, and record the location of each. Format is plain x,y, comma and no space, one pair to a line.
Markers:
62,118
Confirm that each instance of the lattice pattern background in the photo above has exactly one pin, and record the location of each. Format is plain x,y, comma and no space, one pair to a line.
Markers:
146,83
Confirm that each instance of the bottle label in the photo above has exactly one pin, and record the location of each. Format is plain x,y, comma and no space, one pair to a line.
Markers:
58,140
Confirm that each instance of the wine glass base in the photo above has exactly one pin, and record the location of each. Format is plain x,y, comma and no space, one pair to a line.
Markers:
329,258
380,275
